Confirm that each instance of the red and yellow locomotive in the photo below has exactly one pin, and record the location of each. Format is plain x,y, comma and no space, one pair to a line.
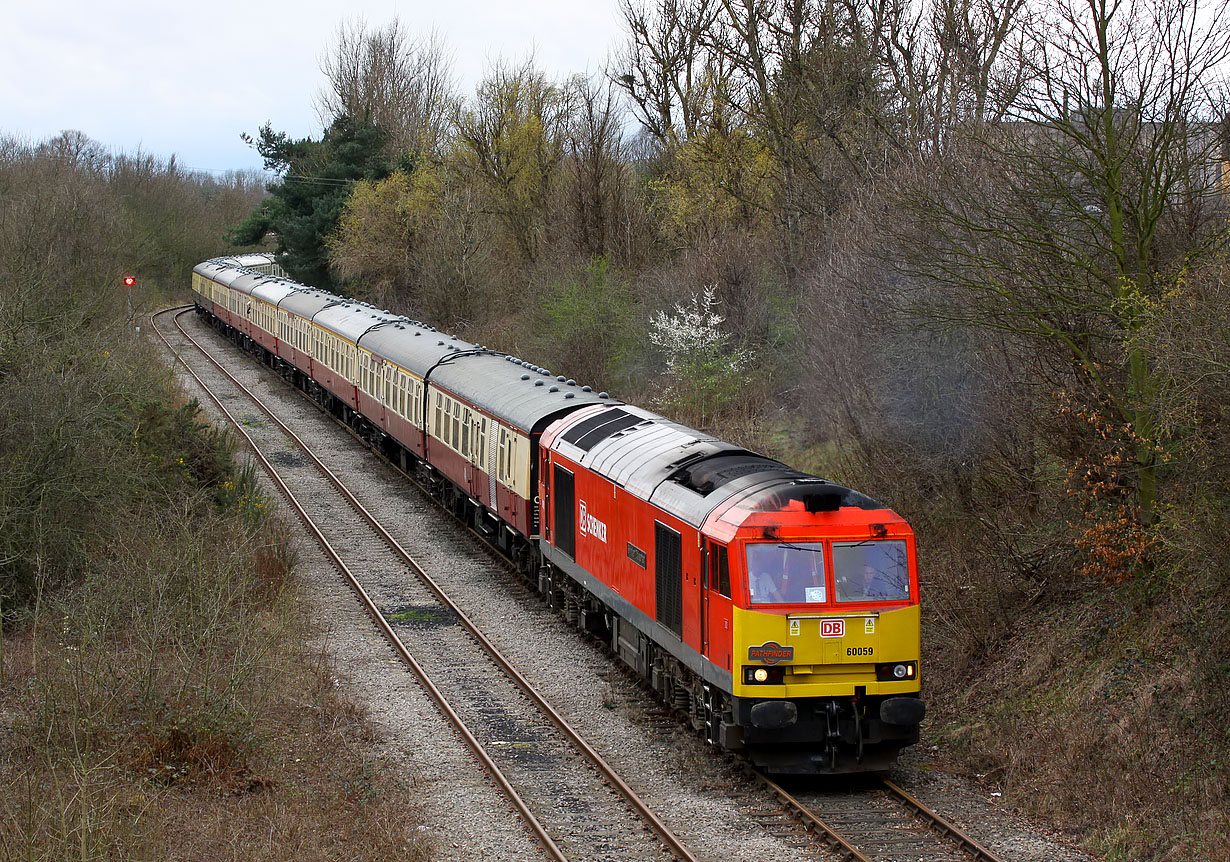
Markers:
780,609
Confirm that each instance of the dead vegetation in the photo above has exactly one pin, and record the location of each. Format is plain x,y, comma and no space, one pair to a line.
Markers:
156,699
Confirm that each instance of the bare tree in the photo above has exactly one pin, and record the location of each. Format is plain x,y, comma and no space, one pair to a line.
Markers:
386,77
665,66
514,137
1069,223
953,61
598,176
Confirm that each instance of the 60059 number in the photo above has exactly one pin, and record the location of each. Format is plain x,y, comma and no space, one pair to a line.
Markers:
859,650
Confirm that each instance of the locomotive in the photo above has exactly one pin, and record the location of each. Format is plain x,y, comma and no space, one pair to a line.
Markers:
777,610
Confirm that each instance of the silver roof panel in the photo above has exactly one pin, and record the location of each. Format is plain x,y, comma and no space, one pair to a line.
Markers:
515,394
413,346
307,302
275,290
350,320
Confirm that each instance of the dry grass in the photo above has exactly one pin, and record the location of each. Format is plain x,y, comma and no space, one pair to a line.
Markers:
1096,715
169,712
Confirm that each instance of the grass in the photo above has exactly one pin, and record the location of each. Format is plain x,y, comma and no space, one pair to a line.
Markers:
1101,717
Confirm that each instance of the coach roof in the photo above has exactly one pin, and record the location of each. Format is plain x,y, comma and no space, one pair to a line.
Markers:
307,301
517,393
274,290
351,320
414,346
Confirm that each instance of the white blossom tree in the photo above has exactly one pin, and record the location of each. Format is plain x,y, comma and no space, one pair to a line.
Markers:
704,370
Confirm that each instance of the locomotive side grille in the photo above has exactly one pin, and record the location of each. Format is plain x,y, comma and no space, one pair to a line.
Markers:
668,573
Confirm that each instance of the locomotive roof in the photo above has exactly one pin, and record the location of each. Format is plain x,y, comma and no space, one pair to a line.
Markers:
687,472
518,393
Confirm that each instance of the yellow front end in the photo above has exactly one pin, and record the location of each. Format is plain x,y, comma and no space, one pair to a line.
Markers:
830,654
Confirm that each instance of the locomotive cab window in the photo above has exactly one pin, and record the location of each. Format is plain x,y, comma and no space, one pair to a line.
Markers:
873,571
719,570
786,573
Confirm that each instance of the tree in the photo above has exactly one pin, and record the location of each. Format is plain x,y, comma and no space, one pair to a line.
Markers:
512,139
384,78
951,62
798,79
706,371
306,203
664,64
1068,224
598,180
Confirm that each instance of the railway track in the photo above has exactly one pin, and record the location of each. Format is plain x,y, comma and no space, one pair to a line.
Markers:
882,823
573,803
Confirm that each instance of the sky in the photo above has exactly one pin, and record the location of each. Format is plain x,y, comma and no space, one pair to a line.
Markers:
187,78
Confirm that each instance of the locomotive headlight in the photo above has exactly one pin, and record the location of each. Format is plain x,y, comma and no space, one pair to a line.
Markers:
763,675
902,671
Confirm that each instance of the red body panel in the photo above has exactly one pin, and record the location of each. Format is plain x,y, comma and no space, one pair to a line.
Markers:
627,520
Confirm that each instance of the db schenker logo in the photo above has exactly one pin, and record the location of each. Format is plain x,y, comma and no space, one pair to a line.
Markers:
770,653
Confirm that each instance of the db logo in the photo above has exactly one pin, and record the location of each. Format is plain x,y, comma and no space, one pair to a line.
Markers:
832,628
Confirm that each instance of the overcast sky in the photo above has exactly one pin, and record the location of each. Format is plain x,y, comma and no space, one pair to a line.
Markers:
186,78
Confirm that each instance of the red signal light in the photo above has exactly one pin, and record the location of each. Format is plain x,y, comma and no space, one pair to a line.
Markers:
129,281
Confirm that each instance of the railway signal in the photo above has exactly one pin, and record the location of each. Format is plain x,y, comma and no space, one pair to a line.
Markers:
130,281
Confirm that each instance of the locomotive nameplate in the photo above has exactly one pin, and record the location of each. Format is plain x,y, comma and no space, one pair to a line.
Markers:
770,653
636,555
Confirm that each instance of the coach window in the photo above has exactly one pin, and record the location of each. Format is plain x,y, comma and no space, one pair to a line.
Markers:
502,468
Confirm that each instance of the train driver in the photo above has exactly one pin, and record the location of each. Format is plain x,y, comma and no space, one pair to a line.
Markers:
765,579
